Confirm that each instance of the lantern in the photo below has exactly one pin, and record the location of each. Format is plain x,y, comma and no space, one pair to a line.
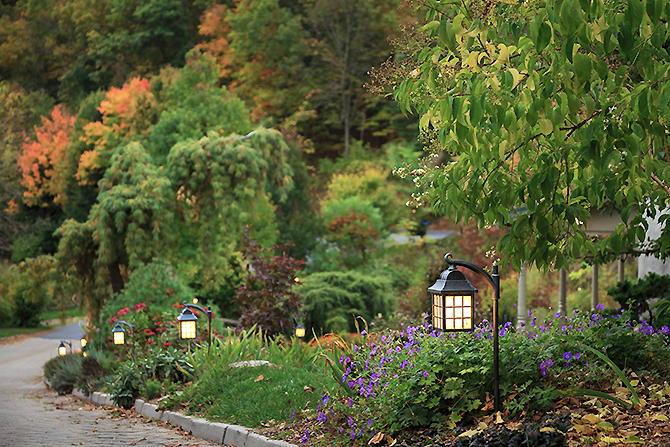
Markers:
195,300
187,324
300,331
62,350
119,334
83,342
452,298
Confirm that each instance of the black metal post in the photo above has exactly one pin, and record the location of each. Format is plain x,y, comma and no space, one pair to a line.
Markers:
209,319
494,281
67,343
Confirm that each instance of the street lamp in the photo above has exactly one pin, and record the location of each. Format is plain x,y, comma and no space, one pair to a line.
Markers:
300,331
187,322
452,298
62,350
119,334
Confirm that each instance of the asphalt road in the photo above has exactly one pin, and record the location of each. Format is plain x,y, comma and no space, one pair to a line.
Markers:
33,416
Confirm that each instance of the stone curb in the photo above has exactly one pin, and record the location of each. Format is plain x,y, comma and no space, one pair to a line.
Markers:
228,435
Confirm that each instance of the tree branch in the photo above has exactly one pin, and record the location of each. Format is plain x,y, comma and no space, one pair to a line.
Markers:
581,124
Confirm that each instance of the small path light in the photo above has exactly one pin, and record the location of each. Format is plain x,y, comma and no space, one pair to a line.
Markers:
452,298
62,350
300,331
119,335
188,329
83,342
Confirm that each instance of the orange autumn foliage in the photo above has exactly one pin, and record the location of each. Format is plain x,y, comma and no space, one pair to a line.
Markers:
42,162
126,111
215,27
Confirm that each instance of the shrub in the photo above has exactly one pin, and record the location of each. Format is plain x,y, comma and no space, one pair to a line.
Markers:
371,184
151,389
332,300
267,298
63,373
636,296
353,224
126,385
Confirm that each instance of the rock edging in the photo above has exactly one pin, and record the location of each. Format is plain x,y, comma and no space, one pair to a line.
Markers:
224,434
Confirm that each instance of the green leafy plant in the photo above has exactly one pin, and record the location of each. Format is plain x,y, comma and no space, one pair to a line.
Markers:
126,385
152,388
63,373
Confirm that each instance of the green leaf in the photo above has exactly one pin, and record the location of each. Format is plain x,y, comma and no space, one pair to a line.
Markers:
583,67
430,25
543,36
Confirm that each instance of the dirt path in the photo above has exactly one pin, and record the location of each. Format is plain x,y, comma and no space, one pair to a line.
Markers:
32,416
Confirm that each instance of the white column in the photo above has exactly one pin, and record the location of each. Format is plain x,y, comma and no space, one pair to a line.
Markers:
522,308
562,292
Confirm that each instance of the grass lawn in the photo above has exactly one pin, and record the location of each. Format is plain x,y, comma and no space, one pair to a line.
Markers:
252,396
11,331
69,313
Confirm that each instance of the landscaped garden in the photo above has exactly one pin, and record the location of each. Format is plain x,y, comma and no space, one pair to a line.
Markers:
249,201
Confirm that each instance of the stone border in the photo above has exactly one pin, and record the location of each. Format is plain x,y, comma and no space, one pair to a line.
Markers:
225,434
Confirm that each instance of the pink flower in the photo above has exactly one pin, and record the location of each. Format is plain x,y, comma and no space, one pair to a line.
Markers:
166,344
151,340
112,320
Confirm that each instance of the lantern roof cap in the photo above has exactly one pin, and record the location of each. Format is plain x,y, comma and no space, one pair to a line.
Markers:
452,281
187,315
118,328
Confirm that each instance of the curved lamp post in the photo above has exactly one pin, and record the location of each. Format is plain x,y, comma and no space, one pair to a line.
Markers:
452,303
119,335
187,322
62,350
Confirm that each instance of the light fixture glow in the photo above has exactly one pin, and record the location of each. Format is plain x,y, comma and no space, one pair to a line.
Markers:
119,335
62,350
300,331
188,329
83,342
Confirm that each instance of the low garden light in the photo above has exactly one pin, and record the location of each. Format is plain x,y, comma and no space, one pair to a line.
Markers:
62,350
83,342
119,334
452,301
188,328
300,331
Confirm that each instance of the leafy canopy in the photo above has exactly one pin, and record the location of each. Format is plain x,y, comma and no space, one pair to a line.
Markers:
551,109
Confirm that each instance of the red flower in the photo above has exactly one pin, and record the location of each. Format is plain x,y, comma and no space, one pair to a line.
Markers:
151,340
160,329
112,320
146,331
151,333
166,344
158,323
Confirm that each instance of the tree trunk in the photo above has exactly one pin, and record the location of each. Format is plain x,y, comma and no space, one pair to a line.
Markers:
115,277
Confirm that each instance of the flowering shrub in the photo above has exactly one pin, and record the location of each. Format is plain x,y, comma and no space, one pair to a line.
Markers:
419,377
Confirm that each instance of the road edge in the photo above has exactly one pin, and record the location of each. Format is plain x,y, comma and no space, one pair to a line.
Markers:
224,434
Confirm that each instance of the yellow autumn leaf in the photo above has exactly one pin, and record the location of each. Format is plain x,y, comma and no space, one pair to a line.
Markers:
546,126
590,418
660,417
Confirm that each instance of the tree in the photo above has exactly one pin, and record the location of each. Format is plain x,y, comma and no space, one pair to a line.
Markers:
551,109
350,38
43,161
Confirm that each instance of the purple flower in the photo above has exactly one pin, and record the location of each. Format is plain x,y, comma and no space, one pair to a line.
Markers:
578,355
557,314
600,306
425,373
325,400
567,356
567,364
304,438
353,434
292,415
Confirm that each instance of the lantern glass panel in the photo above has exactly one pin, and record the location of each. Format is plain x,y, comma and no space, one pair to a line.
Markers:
452,312
83,342
62,350
119,338
437,311
300,332
187,330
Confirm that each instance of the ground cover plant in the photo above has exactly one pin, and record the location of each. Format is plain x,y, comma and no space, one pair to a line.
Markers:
417,377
